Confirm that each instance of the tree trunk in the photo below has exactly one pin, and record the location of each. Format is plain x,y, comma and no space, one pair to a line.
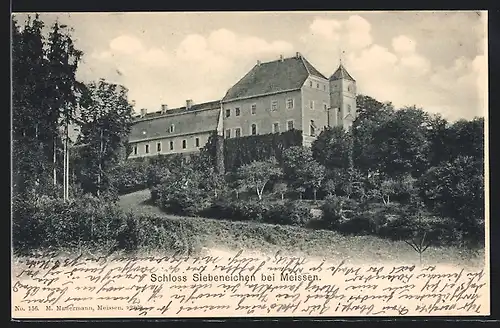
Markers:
314,191
65,196
100,166
282,196
54,162
66,162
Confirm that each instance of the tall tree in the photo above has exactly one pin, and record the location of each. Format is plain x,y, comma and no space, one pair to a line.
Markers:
371,115
106,117
468,138
43,85
333,148
29,71
440,140
402,143
62,92
301,170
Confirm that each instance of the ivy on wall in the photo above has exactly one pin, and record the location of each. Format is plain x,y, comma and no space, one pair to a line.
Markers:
243,150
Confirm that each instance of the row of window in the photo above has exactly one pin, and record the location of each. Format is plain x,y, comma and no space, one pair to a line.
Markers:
317,84
171,146
289,104
275,129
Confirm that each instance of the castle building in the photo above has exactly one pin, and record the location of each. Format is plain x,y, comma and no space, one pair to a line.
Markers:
284,94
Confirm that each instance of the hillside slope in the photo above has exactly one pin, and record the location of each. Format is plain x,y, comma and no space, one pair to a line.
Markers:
230,235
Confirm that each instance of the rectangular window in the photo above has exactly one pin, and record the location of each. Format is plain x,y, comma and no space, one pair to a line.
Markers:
325,106
253,109
237,111
289,125
348,108
228,112
135,150
324,87
171,145
289,103
317,85
146,149
197,142
228,133
158,147
254,129
237,132
312,128
311,104
310,84
274,105
172,128
276,127
183,144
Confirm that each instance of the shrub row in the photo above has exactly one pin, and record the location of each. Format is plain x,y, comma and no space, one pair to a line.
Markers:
198,202
286,213
394,221
88,222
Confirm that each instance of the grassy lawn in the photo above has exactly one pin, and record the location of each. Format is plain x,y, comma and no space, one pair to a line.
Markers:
269,238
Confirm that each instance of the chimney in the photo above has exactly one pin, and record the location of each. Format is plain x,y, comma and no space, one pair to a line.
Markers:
164,108
189,103
297,55
281,58
258,62
143,112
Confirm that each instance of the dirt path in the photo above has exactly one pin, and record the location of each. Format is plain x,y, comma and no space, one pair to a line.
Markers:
138,202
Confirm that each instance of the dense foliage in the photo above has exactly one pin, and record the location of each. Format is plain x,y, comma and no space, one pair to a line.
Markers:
397,173
48,101
241,151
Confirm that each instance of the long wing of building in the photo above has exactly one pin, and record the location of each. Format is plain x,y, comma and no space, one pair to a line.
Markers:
284,94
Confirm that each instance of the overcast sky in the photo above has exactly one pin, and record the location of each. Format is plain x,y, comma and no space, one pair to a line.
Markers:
434,60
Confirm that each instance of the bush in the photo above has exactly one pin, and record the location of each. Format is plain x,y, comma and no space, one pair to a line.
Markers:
239,210
88,222
183,201
337,210
289,213
47,222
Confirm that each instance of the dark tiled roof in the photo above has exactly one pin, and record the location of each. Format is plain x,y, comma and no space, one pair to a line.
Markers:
274,76
207,105
341,73
201,117
312,70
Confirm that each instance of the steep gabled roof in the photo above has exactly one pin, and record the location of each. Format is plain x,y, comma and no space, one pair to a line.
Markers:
312,70
272,77
341,74
204,118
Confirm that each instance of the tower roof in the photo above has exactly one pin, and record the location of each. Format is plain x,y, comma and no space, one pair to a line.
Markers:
341,74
